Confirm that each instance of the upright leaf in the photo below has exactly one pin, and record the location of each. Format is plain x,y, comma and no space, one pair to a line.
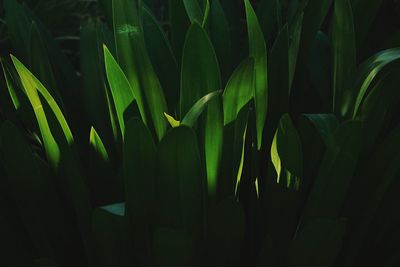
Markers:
343,49
121,90
139,164
286,152
126,32
257,49
239,90
180,182
196,81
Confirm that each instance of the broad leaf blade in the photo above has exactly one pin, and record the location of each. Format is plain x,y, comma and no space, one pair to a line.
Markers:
239,90
257,49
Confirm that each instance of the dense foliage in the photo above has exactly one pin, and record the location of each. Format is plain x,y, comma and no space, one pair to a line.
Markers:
200,133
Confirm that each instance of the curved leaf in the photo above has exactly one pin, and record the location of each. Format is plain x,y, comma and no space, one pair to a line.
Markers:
239,90
286,152
198,108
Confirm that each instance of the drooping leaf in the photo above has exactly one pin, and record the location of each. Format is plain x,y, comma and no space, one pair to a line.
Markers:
257,49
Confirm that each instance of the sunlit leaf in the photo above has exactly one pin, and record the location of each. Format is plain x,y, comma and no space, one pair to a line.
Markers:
257,49
239,90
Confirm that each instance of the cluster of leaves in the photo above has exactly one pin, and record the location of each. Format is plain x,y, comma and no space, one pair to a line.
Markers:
176,146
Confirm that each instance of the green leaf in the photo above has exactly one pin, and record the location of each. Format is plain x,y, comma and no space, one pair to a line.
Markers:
139,165
59,147
32,86
97,144
366,75
194,113
94,81
179,25
286,152
174,123
121,90
213,143
278,79
335,174
325,124
127,29
343,49
112,243
10,86
198,80
220,34
295,29
162,57
194,11
104,185
40,62
180,183
318,243
202,77
27,186
239,90
257,50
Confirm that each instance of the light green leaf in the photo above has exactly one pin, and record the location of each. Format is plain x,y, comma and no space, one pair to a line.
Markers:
121,90
239,90
32,86
286,152
198,108
202,77
257,49
97,144
126,30
366,74
174,123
